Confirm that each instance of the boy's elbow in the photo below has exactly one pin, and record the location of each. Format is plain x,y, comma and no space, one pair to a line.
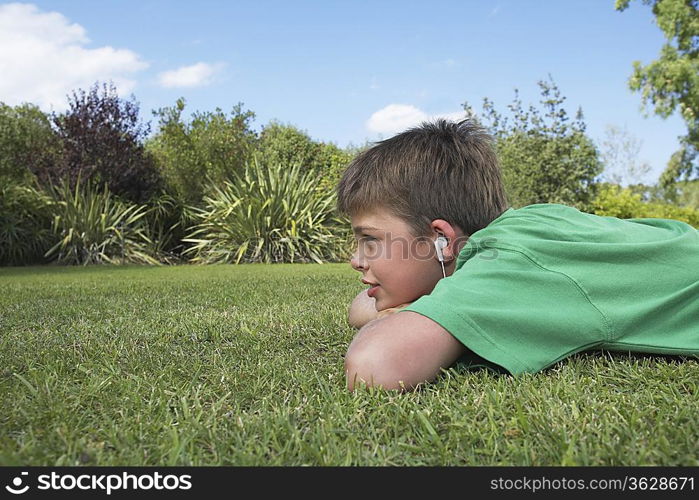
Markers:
370,368
400,351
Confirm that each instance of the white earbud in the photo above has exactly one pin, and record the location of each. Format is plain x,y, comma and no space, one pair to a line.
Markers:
439,243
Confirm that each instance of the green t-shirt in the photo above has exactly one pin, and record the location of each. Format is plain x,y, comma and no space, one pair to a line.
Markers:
542,282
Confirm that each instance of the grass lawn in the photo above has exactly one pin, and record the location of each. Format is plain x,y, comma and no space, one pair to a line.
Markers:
243,365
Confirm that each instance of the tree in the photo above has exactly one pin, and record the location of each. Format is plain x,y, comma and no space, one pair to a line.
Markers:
619,152
209,149
28,144
671,82
544,156
688,194
102,139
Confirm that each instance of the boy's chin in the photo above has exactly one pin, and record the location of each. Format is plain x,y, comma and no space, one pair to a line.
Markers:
382,305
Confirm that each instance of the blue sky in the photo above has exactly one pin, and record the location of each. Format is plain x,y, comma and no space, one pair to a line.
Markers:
345,72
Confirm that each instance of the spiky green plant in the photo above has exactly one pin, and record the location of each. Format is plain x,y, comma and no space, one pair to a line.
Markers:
168,220
25,224
268,214
95,227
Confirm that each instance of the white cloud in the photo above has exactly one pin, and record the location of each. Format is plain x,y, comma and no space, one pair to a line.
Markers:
196,75
454,116
396,118
43,57
448,63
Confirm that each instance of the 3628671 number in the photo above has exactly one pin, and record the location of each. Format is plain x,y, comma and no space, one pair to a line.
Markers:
660,483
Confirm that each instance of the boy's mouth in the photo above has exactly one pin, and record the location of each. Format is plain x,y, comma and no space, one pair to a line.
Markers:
372,290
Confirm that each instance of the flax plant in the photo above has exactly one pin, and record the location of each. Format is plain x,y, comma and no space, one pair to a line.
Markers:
95,227
268,214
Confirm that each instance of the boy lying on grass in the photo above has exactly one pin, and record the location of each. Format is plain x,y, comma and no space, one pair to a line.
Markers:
454,273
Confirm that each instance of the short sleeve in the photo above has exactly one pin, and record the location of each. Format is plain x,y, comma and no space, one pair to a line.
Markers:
513,312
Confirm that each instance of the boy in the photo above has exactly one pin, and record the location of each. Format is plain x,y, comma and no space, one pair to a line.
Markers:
453,272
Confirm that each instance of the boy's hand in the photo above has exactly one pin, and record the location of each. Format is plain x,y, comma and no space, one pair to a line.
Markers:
363,310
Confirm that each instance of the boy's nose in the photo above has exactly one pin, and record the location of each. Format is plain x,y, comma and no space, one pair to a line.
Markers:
357,263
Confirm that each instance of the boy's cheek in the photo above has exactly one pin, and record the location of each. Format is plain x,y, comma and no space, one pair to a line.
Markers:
399,252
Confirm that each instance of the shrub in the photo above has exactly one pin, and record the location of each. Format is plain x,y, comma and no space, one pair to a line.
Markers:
94,227
25,224
102,138
281,144
288,145
209,148
335,161
28,144
268,215
614,201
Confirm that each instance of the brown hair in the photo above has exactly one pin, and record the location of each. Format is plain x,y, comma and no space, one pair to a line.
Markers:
438,170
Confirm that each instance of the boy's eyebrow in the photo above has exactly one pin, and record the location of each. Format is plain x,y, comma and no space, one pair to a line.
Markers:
359,229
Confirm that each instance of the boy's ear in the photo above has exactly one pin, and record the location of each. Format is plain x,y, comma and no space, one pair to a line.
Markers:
452,233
